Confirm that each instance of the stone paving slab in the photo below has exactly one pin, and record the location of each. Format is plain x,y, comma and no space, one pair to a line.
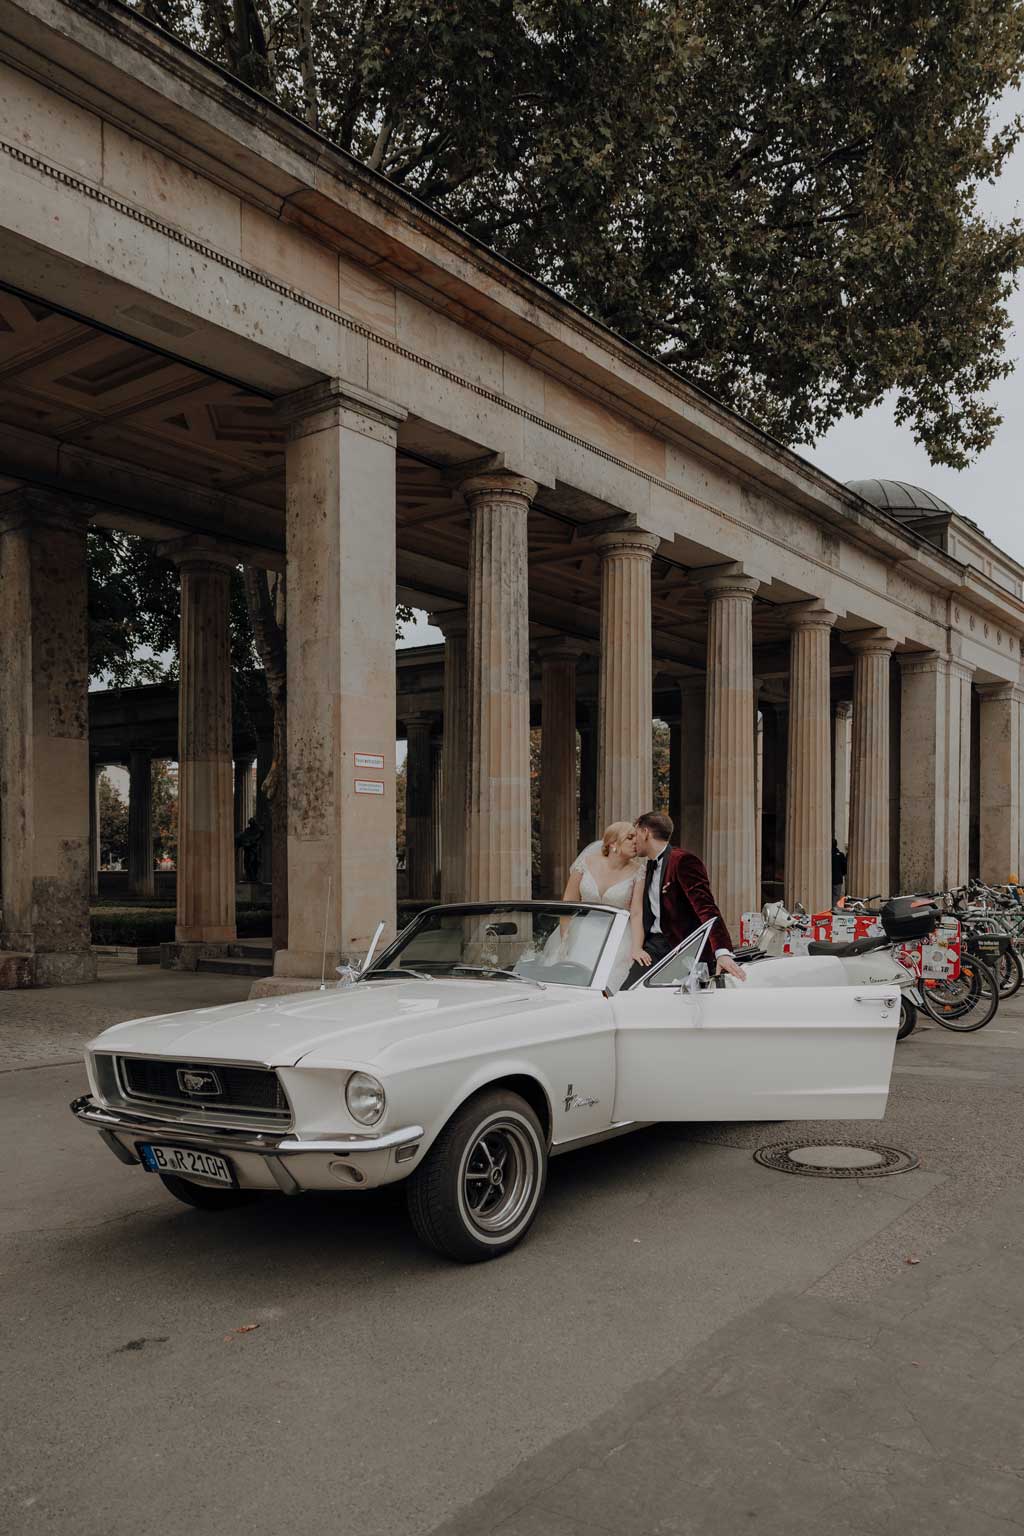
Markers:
48,1026
898,1415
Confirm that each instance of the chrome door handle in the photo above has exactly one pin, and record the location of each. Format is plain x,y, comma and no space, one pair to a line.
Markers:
879,1002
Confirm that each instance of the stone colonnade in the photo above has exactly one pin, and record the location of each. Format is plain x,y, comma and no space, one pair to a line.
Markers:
340,466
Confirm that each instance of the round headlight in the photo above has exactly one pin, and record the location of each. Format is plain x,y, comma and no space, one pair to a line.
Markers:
365,1098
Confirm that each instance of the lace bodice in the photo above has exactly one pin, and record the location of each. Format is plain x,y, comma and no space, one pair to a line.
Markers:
617,895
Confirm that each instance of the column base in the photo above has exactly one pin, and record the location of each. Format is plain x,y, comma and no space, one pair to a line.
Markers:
61,969
301,964
225,935
284,986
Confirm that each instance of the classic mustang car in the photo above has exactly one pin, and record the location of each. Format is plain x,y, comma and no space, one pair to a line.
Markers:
483,1041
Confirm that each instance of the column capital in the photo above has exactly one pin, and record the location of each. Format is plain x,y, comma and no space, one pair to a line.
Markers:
1010,692
810,615
561,648
628,541
844,709
497,485
333,403
451,622
728,584
916,662
423,719
37,506
869,642
198,550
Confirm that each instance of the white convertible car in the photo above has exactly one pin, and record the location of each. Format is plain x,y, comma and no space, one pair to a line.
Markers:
482,1042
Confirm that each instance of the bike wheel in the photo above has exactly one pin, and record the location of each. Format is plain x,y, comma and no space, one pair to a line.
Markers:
966,1004
1010,973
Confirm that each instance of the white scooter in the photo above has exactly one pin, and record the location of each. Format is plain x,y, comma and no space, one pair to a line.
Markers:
864,961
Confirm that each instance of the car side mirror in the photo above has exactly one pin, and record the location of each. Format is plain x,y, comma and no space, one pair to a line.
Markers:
696,981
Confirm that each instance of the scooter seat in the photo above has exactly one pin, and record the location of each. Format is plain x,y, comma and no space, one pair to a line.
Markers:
854,947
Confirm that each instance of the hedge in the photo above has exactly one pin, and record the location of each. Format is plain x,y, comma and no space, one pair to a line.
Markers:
131,926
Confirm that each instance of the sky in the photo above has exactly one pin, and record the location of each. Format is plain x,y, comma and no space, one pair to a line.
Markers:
991,491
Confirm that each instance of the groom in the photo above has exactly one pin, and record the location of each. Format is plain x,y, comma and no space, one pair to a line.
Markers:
677,898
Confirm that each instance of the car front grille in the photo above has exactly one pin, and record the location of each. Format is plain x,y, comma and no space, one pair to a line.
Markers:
250,1091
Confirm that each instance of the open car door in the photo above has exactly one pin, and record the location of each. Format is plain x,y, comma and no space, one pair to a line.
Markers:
737,1053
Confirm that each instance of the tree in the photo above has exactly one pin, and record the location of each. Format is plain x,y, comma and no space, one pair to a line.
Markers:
165,810
113,819
777,200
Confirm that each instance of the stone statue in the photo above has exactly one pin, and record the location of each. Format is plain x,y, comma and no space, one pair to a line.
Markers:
250,841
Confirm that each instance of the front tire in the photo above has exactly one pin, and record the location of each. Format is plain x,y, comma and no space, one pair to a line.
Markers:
203,1196
477,1191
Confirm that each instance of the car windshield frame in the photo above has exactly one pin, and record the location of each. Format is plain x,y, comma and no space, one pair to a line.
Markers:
599,977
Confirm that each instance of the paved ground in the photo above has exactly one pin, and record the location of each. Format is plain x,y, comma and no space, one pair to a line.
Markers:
688,1343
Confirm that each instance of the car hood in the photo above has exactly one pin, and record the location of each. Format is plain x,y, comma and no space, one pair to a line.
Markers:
359,1025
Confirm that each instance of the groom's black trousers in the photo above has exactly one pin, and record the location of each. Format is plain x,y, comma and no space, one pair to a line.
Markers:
657,946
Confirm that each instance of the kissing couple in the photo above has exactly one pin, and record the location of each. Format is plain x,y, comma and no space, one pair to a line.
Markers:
665,890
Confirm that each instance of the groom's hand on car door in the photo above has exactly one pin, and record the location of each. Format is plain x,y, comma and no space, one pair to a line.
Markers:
728,965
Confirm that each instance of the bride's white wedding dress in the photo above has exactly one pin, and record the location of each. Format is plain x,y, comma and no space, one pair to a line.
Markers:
618,895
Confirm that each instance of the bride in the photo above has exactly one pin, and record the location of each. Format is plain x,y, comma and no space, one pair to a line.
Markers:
609,872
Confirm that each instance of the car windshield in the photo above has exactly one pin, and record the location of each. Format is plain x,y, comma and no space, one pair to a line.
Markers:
559,945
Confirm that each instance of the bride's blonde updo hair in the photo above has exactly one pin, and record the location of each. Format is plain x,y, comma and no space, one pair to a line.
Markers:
614,834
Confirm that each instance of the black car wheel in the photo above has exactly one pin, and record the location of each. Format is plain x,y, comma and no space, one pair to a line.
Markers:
478,1189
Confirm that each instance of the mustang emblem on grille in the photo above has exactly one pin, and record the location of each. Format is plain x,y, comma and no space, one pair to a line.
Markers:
190,1080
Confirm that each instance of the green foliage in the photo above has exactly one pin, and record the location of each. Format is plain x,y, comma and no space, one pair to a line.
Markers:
165,810
778,200
131,926
134,612
113,819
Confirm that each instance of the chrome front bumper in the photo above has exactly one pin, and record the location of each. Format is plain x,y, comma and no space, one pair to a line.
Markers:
283,1155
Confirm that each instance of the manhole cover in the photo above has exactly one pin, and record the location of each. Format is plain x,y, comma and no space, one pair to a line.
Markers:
842,1160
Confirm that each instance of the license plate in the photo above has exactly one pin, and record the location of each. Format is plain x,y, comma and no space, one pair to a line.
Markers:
186,1162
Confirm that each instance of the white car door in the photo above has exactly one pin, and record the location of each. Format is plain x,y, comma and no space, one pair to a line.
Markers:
779,1053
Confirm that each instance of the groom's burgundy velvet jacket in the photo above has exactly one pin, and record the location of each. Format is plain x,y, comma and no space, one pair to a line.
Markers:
687,902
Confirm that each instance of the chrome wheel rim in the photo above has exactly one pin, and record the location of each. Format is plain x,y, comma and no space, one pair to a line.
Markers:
499,1177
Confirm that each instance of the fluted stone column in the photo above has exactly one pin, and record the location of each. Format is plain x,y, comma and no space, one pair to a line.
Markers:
809,801
437,800
140,823
454,755
868,872
44,740
624,771
340,520
935,772
498,858
245,803
264,814
559,836
729,749
689,810
842,747
206,844
758,798
95,769
675,773
1001,787
587,728
419,807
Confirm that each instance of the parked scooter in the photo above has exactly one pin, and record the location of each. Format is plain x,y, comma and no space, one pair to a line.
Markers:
868,961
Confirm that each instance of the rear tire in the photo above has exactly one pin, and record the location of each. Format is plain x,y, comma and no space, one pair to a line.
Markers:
908,1019
967,1004
1010,973
477,1191
204,1197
